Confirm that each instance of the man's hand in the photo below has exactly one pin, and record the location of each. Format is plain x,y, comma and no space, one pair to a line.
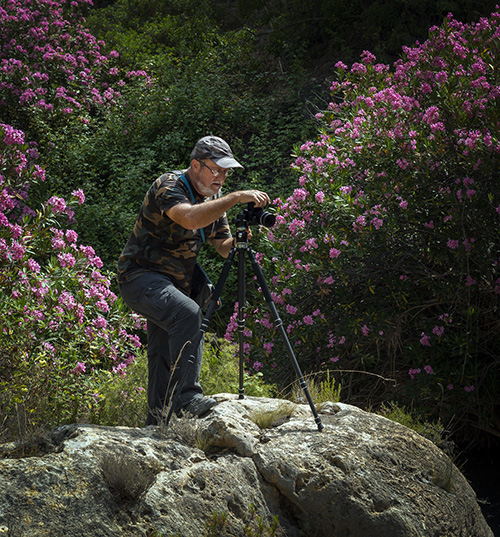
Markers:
261,199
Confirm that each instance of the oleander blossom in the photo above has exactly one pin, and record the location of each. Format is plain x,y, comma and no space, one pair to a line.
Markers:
44,57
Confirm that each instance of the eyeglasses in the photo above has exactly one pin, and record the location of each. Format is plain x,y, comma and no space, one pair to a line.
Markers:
216,173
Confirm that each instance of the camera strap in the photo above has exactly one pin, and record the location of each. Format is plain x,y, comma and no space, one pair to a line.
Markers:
193,199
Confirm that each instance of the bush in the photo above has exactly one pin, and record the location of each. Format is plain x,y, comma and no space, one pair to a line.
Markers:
122,399
60,320
385,258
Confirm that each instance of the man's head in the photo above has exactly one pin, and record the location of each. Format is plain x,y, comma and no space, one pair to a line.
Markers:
211,162
215,149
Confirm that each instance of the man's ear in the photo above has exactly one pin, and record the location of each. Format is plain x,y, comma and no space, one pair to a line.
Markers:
195,166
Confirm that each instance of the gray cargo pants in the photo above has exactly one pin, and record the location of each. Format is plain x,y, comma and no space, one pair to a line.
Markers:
174,322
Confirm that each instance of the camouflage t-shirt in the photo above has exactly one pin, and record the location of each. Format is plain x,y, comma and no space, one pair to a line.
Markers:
157,243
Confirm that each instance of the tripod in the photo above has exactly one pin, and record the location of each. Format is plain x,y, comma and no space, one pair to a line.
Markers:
242,247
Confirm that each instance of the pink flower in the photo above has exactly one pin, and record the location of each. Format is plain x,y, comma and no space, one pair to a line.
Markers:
308,320
100,322
425,340
66,260
17,251
470,281
300,194
80,368
368,57
13,136
71,236
58,204
452,244
431,115
428,369
365,330
33,266
334,253
413,372
79,195
268,347
438,330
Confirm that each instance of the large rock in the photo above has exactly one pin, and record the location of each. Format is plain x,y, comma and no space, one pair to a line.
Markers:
362,476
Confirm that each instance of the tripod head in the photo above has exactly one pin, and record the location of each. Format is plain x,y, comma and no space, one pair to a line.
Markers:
241,223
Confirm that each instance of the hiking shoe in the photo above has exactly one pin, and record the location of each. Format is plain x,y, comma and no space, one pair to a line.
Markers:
199,406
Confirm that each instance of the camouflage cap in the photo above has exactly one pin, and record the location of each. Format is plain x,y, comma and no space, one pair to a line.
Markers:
215,149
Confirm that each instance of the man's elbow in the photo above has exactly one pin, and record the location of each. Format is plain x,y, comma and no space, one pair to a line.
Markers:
189,224
181,216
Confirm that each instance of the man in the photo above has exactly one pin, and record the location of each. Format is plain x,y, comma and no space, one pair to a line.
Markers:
181,210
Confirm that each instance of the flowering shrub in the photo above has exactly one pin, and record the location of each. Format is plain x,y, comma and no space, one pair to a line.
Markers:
385,258
57,85
60,322
50,65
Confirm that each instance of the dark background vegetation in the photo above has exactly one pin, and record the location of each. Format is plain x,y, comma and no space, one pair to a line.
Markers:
254,72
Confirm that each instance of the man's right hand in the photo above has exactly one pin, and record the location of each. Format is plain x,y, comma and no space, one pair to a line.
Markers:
261,199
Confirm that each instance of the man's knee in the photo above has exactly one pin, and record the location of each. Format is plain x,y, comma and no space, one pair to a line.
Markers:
188,316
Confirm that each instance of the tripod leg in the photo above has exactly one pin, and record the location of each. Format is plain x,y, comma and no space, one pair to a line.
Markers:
279,325
241,316
210,310
218,289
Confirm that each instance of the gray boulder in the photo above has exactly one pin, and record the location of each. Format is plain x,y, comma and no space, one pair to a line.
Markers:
362,476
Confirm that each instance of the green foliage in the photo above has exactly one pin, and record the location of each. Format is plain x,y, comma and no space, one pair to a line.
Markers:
60,320
251,72
216,525
212,84
220,371
433,431
322,389
121,400
221,525
317,34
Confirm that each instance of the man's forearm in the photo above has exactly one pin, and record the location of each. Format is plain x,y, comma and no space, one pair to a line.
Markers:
202,214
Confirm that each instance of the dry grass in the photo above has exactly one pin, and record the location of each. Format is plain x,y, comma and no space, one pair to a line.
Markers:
127,476
266,419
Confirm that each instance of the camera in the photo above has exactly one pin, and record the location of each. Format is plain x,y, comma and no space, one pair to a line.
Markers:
257,216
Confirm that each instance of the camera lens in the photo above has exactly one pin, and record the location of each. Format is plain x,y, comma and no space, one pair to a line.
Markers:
256,215
267,219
